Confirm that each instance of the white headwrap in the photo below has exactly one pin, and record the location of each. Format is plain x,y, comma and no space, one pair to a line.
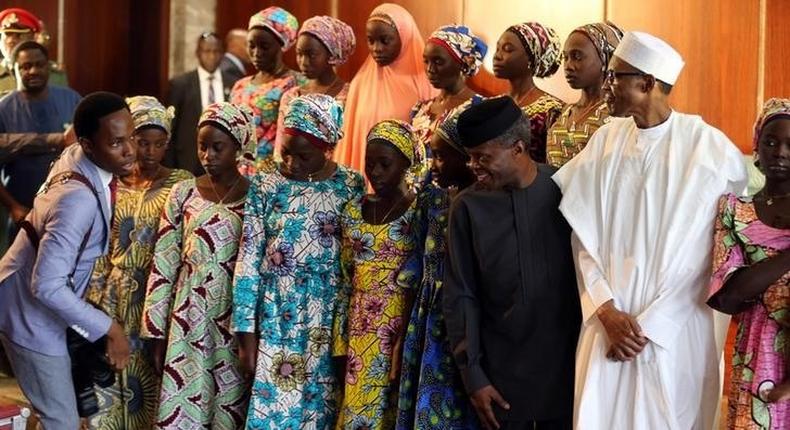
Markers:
650,55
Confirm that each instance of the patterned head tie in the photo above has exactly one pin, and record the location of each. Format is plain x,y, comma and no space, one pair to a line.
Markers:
448,129
605,36
278,21
399,134
463,46
316,117
772,109
543,46
148,111
336,36
238,121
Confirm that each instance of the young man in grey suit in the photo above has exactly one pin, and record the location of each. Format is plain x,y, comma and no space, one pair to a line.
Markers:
189,94
45,273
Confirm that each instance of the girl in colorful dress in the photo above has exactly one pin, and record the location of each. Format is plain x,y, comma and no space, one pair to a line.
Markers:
272,32
524,52
751,281
380,276
286,284
119,279
323,44
452,54
188,304
587,53
391,80
432,394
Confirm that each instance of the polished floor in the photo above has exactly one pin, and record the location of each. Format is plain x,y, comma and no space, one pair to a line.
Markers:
10,393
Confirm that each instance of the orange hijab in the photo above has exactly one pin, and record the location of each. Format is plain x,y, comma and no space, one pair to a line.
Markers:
389,92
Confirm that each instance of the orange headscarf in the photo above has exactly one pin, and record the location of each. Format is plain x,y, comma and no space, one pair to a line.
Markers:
389,92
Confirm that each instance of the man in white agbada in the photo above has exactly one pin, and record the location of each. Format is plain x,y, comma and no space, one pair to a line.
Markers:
641,199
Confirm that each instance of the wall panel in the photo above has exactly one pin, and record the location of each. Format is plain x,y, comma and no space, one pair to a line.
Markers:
118,46
718,41
777,49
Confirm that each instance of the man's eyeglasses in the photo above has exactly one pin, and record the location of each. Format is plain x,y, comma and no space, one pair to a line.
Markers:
612,75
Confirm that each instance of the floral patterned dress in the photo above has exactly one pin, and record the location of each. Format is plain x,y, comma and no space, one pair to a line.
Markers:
286,290
264,101
189,304
378,267
117,287
432,394
759,359
542,113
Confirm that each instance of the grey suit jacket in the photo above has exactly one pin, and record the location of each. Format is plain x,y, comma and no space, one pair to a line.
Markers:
36,303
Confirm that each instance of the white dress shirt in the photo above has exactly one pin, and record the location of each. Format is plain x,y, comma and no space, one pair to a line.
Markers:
106,178
203,77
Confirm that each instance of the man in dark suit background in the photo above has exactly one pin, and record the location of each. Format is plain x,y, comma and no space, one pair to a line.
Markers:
192,92
236,61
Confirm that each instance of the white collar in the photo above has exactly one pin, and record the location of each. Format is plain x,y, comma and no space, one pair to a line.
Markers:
203,74
105,176
657,131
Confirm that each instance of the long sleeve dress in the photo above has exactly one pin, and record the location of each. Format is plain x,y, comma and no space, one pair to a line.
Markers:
189,304
286,291
377,274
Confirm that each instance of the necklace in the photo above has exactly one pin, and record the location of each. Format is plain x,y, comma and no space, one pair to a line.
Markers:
389,212
216,194
583,115
443,102
769,200
521,101
273,75
310,176
328,89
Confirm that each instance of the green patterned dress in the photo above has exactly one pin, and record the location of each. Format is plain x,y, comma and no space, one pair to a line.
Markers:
189,304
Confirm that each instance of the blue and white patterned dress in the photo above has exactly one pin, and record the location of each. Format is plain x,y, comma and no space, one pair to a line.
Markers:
285,289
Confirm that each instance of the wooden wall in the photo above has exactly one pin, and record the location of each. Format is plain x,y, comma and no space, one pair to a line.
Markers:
122,45
724,80
719,41
777,49
118,45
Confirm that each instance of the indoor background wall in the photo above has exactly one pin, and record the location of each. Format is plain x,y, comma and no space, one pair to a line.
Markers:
113,45
737,51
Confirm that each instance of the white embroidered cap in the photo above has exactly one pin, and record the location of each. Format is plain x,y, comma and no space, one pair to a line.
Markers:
650,55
